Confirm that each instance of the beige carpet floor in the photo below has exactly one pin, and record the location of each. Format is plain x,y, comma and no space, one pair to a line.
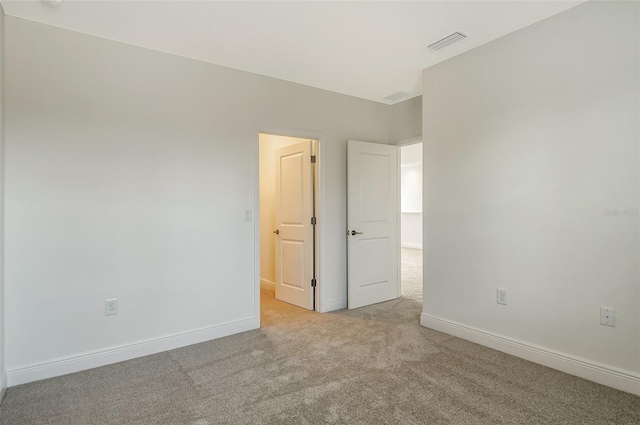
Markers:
374,365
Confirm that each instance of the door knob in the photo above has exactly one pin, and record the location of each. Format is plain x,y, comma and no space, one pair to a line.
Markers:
277,232
353,233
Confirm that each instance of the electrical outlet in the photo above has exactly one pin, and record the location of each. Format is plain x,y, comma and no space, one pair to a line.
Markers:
501,296
111,307
608,316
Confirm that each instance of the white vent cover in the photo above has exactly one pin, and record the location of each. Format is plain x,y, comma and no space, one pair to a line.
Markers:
447,41
397,96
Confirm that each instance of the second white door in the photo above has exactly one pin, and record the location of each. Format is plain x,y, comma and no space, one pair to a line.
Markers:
373,226
294,231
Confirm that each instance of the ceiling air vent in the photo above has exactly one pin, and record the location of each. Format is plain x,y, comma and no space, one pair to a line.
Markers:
396,96
447,41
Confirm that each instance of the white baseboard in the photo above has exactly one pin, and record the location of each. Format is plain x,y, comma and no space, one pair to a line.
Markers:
267,284
93,359
411,245
606,375
3,385
333,305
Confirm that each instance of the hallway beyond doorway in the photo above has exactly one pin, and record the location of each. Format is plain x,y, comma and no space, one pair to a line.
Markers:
411,273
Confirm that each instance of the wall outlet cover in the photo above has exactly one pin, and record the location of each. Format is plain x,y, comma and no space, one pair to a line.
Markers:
111,307
501,295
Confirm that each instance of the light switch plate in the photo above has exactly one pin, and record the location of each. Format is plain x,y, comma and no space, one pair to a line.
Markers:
608,316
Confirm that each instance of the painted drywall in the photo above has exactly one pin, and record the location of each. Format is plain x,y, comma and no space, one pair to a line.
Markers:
406,120
411,196
3,373
127,175
411,230
268,146
531,184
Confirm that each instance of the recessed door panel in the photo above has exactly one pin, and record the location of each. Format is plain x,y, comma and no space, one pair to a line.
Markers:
292,192
292,257
374,186
374,257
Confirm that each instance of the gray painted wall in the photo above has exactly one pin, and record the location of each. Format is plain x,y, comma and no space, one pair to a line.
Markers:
406,120
3,374
529,142
127,173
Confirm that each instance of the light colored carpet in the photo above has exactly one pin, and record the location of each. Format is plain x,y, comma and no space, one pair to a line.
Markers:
374,365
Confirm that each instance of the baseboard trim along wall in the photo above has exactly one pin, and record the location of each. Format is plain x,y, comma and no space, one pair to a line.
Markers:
267,284
606,375
333,305
94,359
3,385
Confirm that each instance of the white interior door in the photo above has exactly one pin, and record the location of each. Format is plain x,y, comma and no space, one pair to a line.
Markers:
294,238
373,249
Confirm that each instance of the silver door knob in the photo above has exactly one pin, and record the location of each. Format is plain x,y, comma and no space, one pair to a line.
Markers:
277,232
353,233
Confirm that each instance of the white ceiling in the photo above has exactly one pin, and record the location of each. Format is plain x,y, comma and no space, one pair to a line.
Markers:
362,48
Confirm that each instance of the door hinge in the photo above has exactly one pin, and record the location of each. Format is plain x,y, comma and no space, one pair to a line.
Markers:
313,159
313,282
313,221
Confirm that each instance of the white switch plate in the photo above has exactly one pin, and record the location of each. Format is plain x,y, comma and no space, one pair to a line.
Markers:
111,307
608,316
248,215
501,296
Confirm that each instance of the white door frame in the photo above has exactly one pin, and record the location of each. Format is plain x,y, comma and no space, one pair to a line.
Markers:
319,206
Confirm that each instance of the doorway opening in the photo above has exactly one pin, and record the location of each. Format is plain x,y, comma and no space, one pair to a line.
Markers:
411,220
288,242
